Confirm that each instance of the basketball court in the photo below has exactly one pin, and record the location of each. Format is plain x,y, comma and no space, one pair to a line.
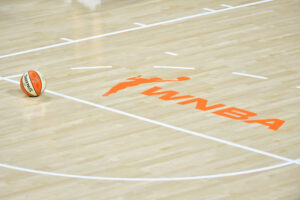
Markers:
151,99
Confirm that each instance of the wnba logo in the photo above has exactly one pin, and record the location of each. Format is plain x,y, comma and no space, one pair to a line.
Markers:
201,103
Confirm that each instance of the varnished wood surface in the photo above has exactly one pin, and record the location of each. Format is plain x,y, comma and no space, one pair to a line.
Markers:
55,134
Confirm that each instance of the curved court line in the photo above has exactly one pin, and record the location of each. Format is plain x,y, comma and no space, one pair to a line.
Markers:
176,128
145,179
134,28
290,161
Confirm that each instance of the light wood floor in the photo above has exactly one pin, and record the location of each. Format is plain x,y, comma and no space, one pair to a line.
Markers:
73,143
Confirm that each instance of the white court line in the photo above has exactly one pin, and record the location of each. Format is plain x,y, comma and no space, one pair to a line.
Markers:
14,76
225,5
36,49
166,125
134,29
249,75
146,179
94,67
298,86
209,10
289,161
172,67
208,13
67,39
171,53
139,24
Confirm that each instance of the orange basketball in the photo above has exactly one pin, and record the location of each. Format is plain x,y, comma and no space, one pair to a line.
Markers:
33,83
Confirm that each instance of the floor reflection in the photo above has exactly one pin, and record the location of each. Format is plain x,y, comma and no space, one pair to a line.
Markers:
91,4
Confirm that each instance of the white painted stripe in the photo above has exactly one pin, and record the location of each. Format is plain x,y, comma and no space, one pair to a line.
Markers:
166,125
35,50
298,86
94,67
146,179
14,76
208,13
208,9
248,4
171,53
249,75
225,5
172,67
133,29
110,34
67,39
139,24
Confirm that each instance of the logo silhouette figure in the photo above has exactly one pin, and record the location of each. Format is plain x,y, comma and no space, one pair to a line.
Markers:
138,80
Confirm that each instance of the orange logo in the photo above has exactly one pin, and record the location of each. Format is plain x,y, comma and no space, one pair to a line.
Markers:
201,104
138,80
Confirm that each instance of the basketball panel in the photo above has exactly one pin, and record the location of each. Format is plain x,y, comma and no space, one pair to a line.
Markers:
43,81
28,85
35,81
23,89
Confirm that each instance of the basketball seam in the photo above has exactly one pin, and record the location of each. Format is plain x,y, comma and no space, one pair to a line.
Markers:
41,82
24,90
32,83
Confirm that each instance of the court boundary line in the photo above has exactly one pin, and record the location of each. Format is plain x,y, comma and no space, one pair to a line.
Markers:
229,174
233,144
134,28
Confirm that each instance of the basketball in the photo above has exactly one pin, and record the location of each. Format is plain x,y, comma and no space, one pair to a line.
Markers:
33,83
